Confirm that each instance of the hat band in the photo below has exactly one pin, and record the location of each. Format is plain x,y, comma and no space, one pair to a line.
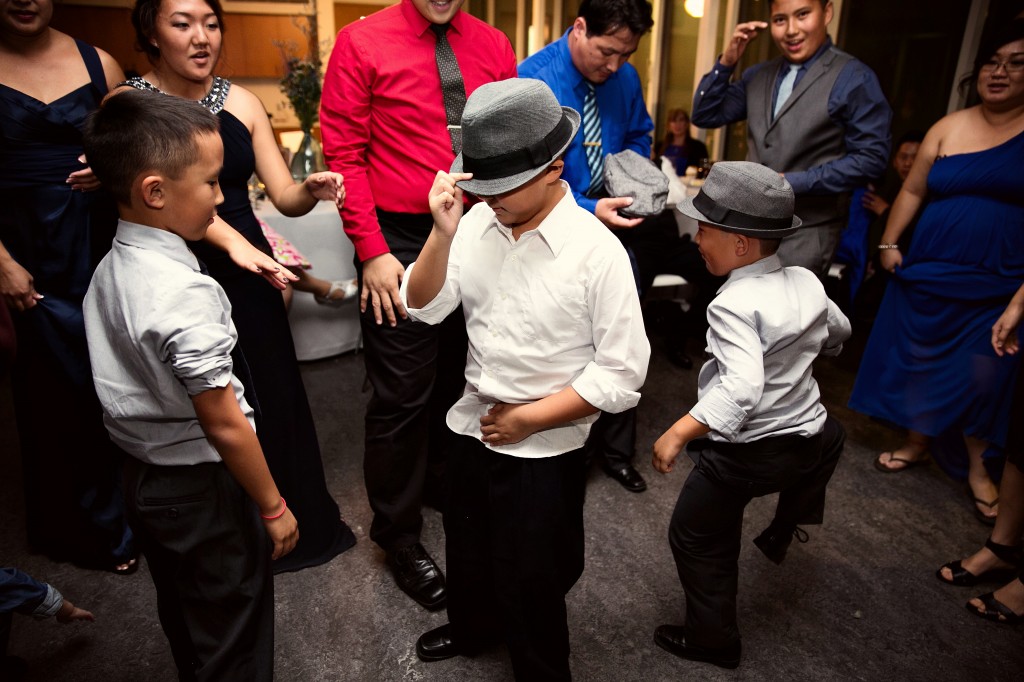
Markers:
733,218
519,160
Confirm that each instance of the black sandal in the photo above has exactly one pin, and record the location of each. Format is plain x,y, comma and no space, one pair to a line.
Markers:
995,610
1011,554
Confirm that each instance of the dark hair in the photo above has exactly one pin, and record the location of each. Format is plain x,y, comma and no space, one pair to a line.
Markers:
1001,34
768,245
672,115
135,131
911,136
144,20
608,16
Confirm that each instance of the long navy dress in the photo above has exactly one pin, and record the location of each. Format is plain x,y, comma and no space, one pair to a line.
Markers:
929,364
267,365
72,494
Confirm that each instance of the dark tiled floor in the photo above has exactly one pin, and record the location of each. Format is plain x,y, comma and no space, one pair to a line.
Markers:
859,602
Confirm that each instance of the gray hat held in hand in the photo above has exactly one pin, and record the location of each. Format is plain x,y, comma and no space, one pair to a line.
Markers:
511,131
627,174
746,198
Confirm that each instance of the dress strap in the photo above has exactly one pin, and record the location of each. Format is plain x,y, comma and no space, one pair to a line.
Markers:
92,63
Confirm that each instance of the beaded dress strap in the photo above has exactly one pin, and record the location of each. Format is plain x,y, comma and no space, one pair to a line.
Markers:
213,101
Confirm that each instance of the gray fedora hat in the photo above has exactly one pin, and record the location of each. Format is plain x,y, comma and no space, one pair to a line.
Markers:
746,198
511,131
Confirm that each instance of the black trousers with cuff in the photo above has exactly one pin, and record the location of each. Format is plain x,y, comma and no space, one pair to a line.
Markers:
514,548
707,521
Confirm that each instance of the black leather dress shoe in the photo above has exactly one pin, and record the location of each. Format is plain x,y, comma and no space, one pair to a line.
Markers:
671,639
437,644
418,576
775,541
628,477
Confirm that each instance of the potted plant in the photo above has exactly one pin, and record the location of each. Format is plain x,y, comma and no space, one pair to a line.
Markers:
302,85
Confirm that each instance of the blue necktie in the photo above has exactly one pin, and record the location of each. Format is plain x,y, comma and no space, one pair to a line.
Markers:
592,141
785,88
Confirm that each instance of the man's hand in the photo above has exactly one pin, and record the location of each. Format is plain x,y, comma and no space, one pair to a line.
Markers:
327,186
506,424
607,211
283,532
874,203
743,34
382,275
17,286
445,201
666,449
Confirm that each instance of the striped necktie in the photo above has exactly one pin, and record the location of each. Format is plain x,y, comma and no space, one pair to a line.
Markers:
452,87
785,88
592,141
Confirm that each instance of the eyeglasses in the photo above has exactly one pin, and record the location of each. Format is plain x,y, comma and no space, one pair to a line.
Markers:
1012,65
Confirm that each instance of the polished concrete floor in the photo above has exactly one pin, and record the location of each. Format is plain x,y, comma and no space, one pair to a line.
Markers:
858,602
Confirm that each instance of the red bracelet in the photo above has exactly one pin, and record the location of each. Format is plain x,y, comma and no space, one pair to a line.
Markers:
284,508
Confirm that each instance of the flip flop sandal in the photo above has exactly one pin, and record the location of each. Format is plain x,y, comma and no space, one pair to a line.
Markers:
982,516
995,610
907,463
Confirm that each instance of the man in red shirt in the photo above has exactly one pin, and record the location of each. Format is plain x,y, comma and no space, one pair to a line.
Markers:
386,130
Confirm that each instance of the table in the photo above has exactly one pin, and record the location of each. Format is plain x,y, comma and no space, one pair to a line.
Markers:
319,331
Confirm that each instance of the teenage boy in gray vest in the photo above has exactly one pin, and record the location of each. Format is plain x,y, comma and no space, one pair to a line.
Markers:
816,114
758,426
555,334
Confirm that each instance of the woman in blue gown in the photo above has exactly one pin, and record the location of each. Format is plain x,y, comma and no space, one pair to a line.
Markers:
54,227
182,39
929,365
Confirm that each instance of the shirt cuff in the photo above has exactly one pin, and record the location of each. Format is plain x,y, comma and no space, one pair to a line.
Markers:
51,603
433,312
720,414
603,389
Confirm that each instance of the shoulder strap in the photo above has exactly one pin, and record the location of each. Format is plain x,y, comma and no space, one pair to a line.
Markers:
92,63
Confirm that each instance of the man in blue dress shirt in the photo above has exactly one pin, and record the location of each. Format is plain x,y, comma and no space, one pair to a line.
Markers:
591,58
816,114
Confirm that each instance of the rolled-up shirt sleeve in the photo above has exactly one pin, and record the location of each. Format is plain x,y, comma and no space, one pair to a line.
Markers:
612,381
24,594
839,330
736,347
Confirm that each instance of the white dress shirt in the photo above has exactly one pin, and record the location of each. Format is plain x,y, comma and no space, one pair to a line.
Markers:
767,325
159,332
556,308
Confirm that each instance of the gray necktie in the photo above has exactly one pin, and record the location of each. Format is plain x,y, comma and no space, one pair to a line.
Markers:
452,87
785,88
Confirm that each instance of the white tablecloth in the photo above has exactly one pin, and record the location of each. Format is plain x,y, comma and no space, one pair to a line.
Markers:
319,331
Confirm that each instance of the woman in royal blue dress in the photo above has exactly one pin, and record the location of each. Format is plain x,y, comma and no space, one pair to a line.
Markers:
929,365
182,39
54,225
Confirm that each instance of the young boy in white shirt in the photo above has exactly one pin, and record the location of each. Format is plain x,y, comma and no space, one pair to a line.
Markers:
555,334
758,404
160,339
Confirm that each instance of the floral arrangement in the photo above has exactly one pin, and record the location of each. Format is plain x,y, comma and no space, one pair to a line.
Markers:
301,84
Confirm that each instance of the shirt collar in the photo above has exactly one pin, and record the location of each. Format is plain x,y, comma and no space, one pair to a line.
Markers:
419,23
552,229
155,239
761,267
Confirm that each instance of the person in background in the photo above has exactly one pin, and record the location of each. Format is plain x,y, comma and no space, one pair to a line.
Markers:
182,40
388,125
55,225
816,114
679,146
929,366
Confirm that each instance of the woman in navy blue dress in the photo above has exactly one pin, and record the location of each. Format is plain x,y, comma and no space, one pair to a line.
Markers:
54,226
929,365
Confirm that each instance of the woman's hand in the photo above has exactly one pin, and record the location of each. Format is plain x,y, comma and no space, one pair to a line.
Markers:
327,186
83,180
17,286
890,259
248,257
1004,331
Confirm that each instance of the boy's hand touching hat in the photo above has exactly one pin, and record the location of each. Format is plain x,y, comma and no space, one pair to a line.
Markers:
445,201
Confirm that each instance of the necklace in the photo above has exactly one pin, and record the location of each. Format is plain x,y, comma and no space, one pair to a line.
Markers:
212,102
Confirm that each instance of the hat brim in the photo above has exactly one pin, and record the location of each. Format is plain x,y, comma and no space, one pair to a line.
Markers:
687,208
495,186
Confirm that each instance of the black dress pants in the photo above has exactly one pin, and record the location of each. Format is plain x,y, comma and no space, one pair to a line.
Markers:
708,519
209,555
417,372
514,548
